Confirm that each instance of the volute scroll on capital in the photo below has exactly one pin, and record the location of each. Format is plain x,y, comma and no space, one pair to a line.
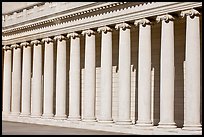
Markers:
15,46
166,18
6,48
104,29
72,35
88,32
123,25
47,40
35,42
192,13
143,22
24,44
59,37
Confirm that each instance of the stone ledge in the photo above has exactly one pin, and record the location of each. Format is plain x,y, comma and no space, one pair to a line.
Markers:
129,129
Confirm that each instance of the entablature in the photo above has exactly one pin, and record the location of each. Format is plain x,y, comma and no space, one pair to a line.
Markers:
82,20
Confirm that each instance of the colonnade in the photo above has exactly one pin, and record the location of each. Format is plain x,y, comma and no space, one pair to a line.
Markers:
36,106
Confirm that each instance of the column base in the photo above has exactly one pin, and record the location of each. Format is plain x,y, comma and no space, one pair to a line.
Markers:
35,115
72,118
5,113
25,115
14,113
123,122
47,116
60,117
167,125
192,127
144,124
89,119
105,121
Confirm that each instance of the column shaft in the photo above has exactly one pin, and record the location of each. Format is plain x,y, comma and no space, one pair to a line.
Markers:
61,80
48,80
36,90
124,77
167,75
144,76
90,79
74,80
106,78
192,75
16,82
26,79
7,82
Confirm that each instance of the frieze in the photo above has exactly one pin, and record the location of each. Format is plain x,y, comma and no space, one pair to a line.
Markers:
108,17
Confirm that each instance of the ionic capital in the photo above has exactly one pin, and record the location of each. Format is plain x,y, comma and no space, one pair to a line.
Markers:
104,29
47,40
6,48
59,37
15,46
88,32
72,35
143,22
191,13
35,42
123,25
166,18
24,44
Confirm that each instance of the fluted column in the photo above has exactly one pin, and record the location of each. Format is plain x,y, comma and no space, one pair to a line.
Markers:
36,87
26,80
124,91
48,78
16,80
7,80
61,78
167,72
90,77
144,73
106,75
192,71
74,80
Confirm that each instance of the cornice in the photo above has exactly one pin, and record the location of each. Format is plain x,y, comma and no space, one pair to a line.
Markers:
110,17
57,17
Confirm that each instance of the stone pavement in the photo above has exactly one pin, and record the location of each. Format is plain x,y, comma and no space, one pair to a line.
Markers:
14,128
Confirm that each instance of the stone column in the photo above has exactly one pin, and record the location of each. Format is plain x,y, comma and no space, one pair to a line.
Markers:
106,75
48,78
26,79
74,80
7,80
124,91
36,87
90,77
167,72
192,71
61,78
144,73
16,80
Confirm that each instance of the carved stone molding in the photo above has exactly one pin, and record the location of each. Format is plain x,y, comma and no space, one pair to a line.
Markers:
35,42
24,44
166,18
123,25
47,40
88,32
59,37
191,13
104,29
72,35
15,46
143,22
6,48
54,7
130,12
